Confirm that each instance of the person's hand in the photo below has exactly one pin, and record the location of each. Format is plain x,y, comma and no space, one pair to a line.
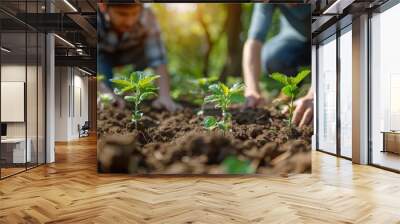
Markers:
304,112
165,102
254,99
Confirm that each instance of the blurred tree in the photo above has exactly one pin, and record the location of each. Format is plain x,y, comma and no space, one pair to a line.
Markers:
211,39
206,40
234,27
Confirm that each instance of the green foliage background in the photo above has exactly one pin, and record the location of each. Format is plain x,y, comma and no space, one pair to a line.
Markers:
186,43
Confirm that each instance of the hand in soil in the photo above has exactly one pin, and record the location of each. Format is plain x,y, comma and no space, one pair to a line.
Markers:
304,112
166,103
253,100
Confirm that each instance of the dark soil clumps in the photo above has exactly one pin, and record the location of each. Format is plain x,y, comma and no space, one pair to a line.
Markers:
177,143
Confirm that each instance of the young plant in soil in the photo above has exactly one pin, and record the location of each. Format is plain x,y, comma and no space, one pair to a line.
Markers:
200,91
135,86
223,96
290,87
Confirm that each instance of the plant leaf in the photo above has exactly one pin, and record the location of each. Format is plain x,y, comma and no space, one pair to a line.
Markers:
134,77
290,90
128,88
216,89
236,98
222,125
280,78
300,76
224,88
130,99
147,80
210,122
237,87
146,95
120,83
211,99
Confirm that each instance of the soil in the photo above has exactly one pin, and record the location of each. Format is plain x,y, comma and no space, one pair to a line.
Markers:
177,143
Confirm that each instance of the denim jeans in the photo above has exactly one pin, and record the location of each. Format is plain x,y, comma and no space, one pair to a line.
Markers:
285,54
291,48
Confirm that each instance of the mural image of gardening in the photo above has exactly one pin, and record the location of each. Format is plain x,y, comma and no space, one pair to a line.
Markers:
204,88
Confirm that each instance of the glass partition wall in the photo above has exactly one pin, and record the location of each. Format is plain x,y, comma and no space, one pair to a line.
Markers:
385,89
22,77
334,94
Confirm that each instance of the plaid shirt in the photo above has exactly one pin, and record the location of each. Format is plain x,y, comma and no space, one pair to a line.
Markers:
142,47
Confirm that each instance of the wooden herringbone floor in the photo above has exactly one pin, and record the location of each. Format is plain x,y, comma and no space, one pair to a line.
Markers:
70,191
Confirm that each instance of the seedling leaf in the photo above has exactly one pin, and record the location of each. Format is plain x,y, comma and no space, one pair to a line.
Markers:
130,99
236,98
210,122
280,78
137,86
290,89
216,89
223,96
224,88
146,96
300,76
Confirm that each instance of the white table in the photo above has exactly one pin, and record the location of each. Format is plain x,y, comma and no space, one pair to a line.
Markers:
19,155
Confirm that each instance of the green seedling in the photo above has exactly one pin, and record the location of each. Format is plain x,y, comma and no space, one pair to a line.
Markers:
201,85
200,89
290,87
223,96
233,165
135,87
106,99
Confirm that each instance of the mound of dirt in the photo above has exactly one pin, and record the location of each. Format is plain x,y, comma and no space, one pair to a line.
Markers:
177,143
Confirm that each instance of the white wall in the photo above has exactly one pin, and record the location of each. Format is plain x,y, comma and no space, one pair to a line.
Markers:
16,73
33,127
71,94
